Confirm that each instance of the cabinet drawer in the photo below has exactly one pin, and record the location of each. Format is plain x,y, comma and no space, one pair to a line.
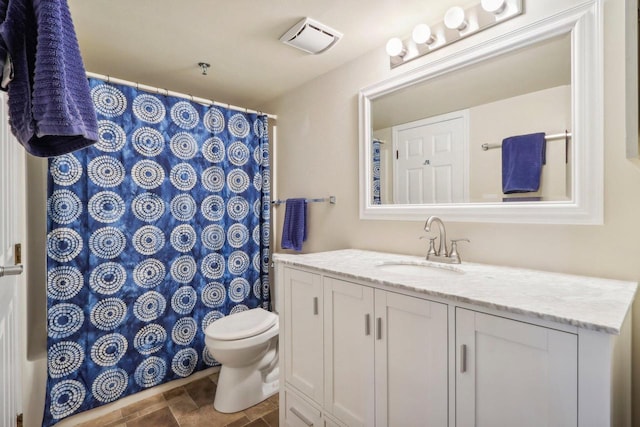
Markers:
299,413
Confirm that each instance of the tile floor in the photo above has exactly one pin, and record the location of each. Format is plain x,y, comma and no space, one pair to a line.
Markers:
188,406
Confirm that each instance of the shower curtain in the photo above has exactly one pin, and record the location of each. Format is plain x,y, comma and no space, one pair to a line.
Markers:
154,233
375,163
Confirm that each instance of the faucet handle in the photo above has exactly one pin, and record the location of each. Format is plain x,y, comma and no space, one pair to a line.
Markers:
432,245
454,250
460,240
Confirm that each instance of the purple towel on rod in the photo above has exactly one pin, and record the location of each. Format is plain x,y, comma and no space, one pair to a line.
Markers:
50,106
522,160
294,230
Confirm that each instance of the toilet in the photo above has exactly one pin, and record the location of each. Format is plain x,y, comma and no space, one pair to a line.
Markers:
246,345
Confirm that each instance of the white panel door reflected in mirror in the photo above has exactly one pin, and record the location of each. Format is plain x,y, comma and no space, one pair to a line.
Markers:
426,160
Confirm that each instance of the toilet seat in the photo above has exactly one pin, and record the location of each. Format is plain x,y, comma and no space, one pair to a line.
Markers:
241,325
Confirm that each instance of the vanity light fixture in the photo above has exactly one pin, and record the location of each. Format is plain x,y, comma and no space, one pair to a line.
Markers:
494,6
457,24
454,19
395,48
422,34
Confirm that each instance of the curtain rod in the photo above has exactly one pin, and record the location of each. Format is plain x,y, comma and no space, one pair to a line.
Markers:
176,94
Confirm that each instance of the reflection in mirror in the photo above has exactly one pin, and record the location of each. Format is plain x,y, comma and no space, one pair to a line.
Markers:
428,137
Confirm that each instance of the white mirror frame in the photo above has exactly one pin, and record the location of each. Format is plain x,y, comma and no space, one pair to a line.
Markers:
632,81
584,22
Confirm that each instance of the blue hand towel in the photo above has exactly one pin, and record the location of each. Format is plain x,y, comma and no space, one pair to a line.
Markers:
50,106
294,230
522,160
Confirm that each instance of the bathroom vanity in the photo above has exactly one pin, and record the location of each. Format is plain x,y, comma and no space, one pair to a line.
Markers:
375,339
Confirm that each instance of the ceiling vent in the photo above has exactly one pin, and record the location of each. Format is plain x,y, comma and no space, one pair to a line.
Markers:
311,36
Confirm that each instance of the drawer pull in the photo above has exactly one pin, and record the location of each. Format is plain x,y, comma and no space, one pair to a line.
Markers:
298,414
367,324
379,328
463,358
315,306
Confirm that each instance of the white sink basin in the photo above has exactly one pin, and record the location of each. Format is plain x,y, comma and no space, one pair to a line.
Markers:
420,269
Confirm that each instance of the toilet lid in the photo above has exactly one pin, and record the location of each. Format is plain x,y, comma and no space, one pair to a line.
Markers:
241,325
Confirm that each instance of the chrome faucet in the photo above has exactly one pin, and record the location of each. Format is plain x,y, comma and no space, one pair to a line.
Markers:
442,250
442,254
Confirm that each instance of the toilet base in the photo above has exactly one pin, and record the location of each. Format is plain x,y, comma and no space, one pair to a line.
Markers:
241,388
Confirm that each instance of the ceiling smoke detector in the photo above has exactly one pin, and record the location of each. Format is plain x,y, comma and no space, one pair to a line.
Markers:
311,36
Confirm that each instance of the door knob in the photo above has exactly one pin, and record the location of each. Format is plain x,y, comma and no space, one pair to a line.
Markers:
13,270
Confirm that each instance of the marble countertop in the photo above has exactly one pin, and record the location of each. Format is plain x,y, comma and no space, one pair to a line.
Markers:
586,302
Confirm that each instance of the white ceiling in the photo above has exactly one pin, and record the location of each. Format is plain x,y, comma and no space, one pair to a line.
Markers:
160,42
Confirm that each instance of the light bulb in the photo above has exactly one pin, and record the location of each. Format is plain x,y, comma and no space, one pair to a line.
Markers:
395,47
454,19
494,6
422,34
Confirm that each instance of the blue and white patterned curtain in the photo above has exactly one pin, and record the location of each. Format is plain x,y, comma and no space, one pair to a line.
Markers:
158,230
375,163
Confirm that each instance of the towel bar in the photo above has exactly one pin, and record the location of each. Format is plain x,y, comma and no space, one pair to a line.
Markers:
330,199
565,135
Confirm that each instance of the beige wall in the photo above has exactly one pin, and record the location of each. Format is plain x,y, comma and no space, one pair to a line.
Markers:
318,155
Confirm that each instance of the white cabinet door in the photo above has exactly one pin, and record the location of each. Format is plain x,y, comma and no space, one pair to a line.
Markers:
411,360
511,373
303,331
348,357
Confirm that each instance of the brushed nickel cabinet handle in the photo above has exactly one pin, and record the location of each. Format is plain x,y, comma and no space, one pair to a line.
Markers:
315,306
463,358
298,414
367,324
379,328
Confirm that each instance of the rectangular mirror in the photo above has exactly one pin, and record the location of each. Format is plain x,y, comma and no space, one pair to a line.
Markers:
431,138
432,152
